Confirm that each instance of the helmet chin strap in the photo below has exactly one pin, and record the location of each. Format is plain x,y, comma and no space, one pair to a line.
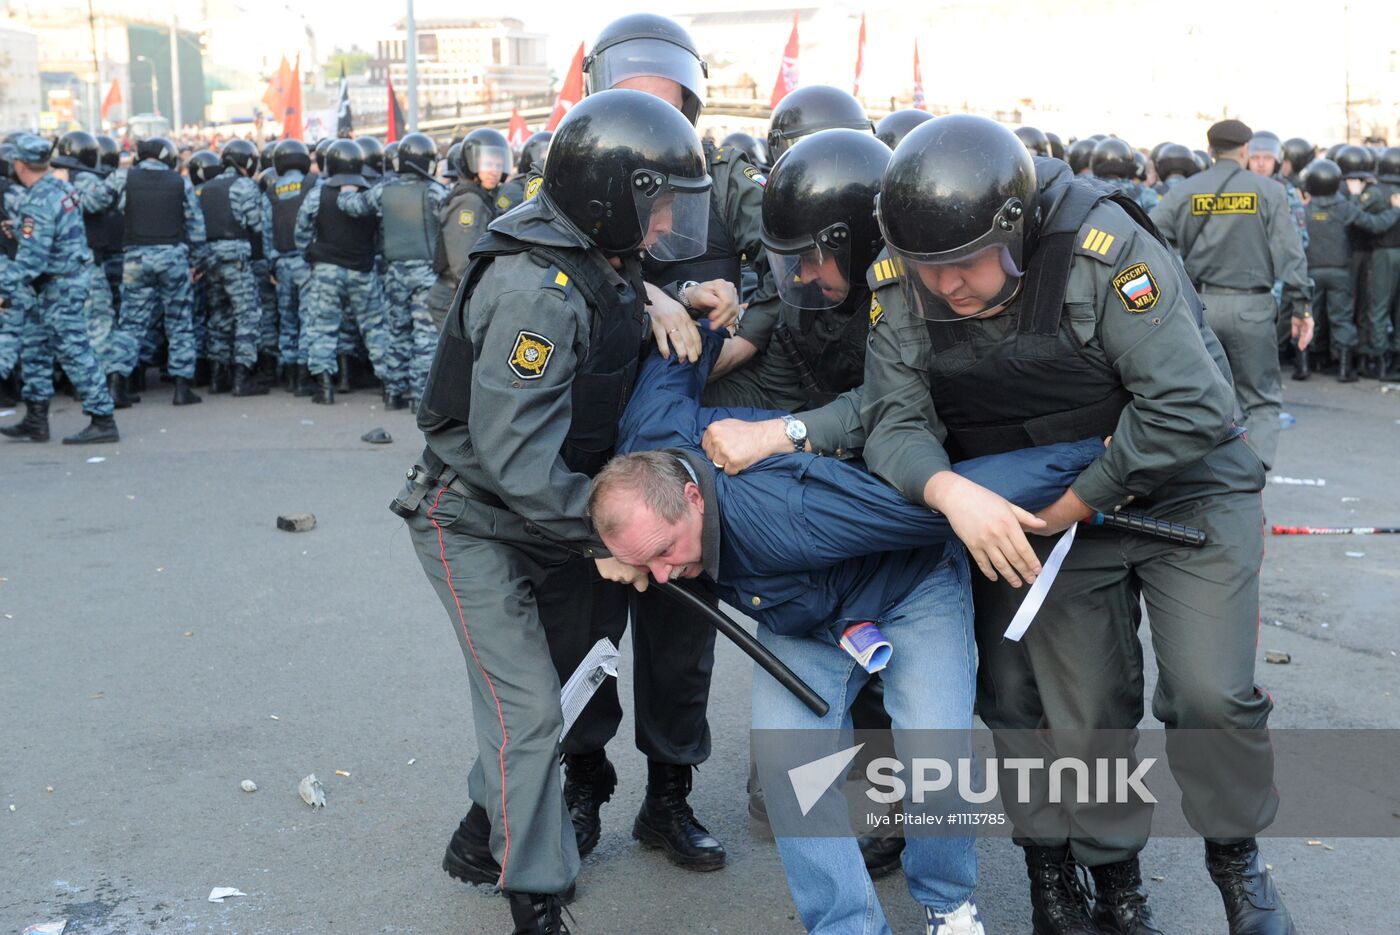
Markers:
1001,299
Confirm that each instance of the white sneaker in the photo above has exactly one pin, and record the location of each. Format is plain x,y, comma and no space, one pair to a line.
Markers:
963,920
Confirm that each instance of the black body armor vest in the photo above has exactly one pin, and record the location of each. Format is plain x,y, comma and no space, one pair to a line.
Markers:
340,239
284,212
155,208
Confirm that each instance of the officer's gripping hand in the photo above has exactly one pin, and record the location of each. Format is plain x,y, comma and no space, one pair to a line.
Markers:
718,299
992,528
610,569
1063,513
672,327
733,444
1302,331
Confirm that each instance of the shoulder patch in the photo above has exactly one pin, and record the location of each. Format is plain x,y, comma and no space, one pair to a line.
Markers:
466,218
1136,288
26,226
885,270
1225,203
555,278
753,174
503,203
531,354
532,188
1098,243
876,311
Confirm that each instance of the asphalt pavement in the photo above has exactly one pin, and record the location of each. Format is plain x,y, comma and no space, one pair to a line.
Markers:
161,641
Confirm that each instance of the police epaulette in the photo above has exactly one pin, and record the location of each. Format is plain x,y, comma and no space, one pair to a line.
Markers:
556,278
1098,243
718,156
885,270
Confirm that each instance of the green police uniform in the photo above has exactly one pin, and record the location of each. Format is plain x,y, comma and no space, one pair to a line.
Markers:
1121,352
1236,236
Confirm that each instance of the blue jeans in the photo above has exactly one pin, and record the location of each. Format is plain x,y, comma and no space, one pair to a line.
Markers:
928,685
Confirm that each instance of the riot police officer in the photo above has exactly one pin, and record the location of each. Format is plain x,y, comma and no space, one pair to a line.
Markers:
1031,308
1112,161
811,109
1385,272
408,205
1174,162
896,125
292,162
752,147
1035,140
80,153
164,242
537,356
531,161
341,251
480,163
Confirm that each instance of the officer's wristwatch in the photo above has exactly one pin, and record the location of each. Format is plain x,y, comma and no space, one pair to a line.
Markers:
796,431
683,294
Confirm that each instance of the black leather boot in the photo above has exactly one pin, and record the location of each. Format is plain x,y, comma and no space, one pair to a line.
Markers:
184,393
1389,368
589,781
881,855
537,914
201,372
287,374
118,387
220,380
1346,365
1371,367
35,424
667,822
395,401
246,382
469,856
1252,904
324,389
342,362
1300,365
267,369
10,387
1059,900
302,384
136,382
1120,902
101,429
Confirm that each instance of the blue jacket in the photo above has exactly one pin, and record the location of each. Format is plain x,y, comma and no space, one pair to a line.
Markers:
810,544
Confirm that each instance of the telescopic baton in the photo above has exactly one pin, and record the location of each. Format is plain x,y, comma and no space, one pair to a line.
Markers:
1336,530
752,648
1147,526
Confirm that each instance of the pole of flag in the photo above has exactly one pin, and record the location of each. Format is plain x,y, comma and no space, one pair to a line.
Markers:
860,57
411,59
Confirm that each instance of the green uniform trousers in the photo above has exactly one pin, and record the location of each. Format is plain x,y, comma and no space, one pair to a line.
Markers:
1385,300
1245,323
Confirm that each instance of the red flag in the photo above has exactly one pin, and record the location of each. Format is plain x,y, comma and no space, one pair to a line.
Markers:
919,102
570,92
275,97
396,126
860,56
518,131
291,109
787,72
113,98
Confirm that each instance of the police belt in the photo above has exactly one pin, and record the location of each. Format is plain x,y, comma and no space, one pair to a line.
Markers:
1208,289
425,479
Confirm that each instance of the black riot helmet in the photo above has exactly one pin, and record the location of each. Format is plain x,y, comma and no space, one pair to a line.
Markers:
1388,165
291,156
1140,165
483,149
1057,145
373,152
1298,152
1079,154
344,162
322,145
76,150
645,45
204,165
269,148
533,152
391,152
8,155
449,165
416,155
241,155
1112,158
111,152
159,149
896,125
819,226
1156,151
1175,159
957,189
1037,143
750,146
1332,151
628,170
1203,160
1356,162
1322,177
807,110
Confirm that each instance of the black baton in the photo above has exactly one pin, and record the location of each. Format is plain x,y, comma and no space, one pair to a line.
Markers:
752,648
1147,526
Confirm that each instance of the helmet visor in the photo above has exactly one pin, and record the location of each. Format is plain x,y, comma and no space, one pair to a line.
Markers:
815,274
673,214
961,287
647,58
484,160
